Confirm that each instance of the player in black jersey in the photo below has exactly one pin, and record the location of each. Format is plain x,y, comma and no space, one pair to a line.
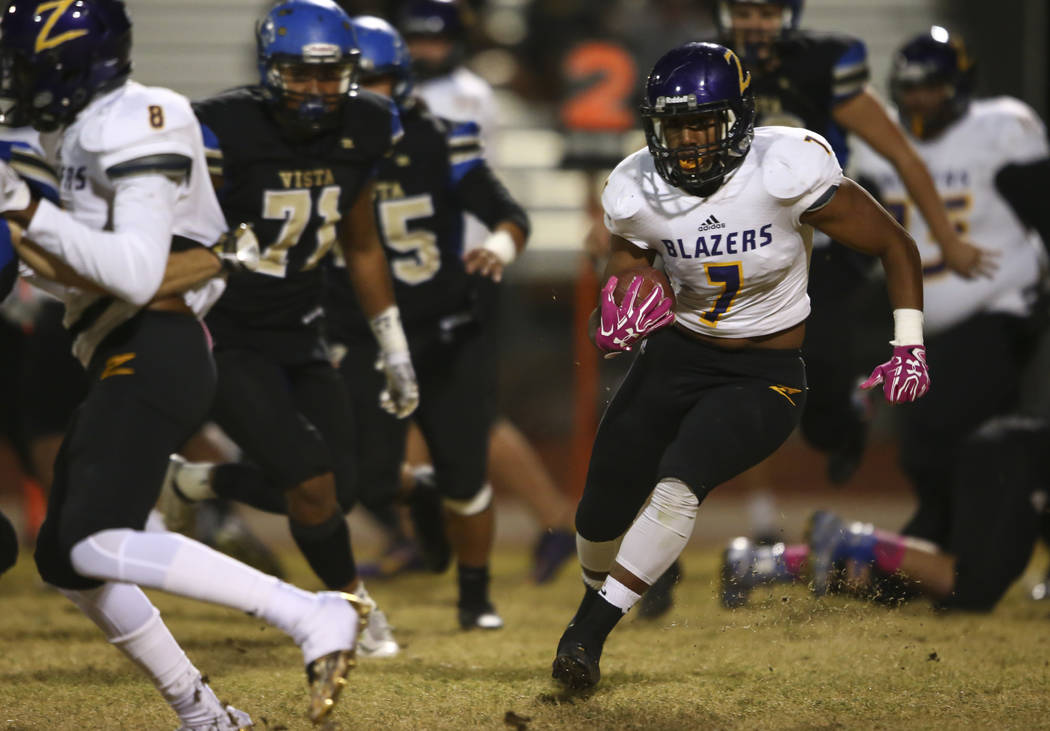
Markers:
436,172
294,156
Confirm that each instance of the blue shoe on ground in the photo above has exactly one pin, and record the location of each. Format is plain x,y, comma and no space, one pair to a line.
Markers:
552,550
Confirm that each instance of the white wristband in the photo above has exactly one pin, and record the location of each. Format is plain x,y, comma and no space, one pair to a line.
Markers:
502,245
386,326
907,327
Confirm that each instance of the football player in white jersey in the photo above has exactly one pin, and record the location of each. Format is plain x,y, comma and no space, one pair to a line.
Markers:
731,210
965,144
978,469
134,188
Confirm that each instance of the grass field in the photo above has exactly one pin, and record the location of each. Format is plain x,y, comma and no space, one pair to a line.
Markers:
787,661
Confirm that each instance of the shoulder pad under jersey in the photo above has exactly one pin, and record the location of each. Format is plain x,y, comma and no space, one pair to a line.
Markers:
623,198
144,121
1012,126
797,162
622,195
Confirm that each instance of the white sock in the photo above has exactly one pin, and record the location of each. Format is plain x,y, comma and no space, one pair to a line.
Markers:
133,625
658,536
155,522
619,595
596,557
193,480
176,564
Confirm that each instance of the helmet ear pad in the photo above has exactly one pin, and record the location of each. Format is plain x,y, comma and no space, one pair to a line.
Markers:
691,80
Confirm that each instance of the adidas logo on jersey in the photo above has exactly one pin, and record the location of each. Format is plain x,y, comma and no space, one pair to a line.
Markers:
710,223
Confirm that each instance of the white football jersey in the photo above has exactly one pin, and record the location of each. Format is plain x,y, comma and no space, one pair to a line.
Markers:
738,259
463,96
133,123
963,162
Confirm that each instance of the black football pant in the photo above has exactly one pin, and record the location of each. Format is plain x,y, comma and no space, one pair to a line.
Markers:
1001,480
830,421
975,369
151,383
690,411
292,421
456,370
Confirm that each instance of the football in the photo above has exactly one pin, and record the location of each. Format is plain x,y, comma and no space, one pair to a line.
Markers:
650,278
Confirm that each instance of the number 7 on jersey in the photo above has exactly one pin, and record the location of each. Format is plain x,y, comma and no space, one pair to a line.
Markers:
730,276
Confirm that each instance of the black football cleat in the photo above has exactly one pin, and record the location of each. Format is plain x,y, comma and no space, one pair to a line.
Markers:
575,668
483,616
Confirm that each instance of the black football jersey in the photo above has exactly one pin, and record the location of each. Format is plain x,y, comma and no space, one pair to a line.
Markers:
294,193
435,173
816,72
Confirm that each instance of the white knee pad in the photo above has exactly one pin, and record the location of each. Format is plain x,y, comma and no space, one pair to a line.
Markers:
661,532
477,504
596,557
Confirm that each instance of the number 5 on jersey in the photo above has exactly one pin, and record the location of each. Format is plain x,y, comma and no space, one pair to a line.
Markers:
421,258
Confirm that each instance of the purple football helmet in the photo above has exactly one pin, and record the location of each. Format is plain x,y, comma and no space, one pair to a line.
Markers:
55,57
931,59
699,80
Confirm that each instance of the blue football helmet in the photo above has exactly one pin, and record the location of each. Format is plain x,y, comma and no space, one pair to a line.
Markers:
55,57
307,39
383,54
699,81
934,58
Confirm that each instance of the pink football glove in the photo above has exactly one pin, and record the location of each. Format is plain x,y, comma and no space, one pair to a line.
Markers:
625,324
904,377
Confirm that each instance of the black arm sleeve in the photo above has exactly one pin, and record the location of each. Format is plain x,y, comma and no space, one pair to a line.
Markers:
1026,188
482,193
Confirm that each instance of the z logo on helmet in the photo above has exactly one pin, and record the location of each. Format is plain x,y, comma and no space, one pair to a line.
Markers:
745,81
44,40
